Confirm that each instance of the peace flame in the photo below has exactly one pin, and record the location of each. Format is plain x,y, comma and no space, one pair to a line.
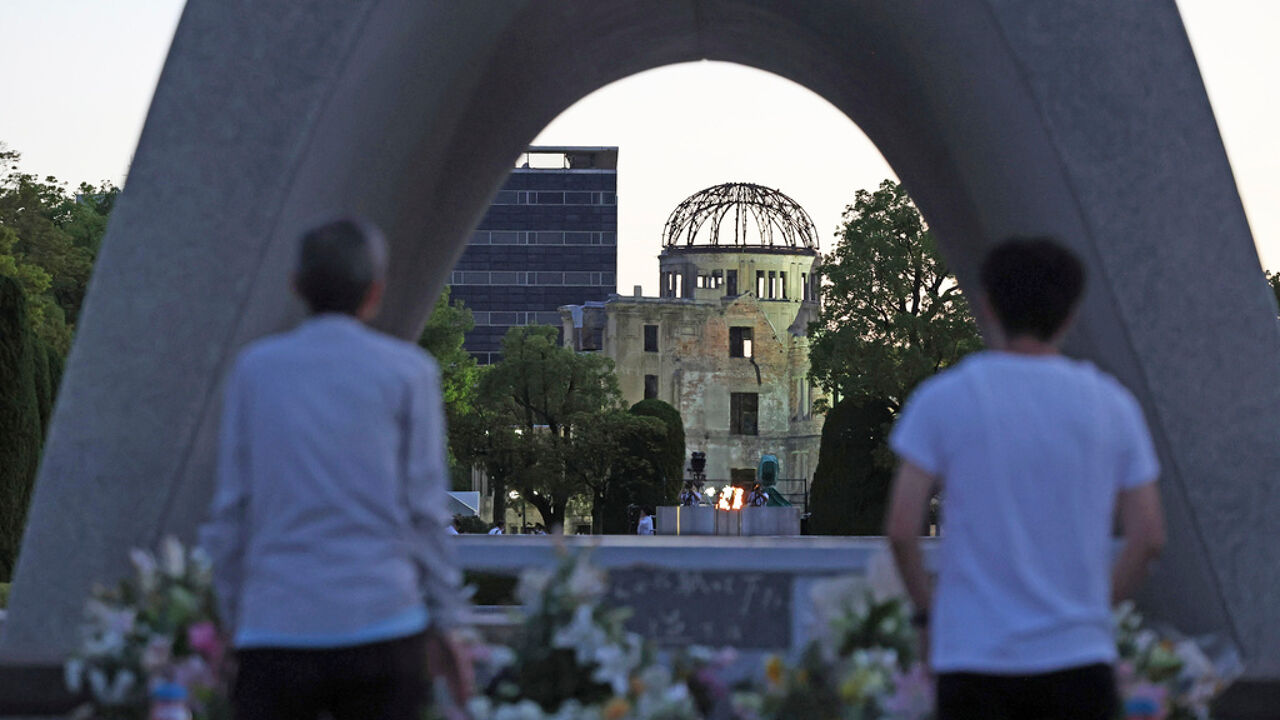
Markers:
730,498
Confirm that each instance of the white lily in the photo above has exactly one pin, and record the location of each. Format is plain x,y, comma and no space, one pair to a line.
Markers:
145,565
173,560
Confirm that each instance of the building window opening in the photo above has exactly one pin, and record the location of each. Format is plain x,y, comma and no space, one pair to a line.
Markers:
740,342
804,286
782,281
773,285
743,413
731,282
650,387
651,338
717,279
760,289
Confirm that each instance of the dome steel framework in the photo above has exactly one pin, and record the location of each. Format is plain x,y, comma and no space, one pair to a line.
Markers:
778,220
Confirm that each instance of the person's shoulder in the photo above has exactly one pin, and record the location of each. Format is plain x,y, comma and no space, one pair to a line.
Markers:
265,350
408,357
1087,372
950,380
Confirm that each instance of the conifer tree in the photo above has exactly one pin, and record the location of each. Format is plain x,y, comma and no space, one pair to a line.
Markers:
20,430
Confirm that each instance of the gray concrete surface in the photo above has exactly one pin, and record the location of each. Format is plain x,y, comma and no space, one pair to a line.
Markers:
1082,119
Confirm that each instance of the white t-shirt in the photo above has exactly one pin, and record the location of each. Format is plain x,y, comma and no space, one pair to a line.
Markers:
646,525
1030,452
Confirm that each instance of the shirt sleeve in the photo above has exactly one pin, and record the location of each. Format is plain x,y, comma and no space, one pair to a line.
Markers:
223,536
915,437
1138,462
427,478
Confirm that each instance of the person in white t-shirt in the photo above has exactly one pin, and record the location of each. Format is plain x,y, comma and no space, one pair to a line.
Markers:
645,526
1034,453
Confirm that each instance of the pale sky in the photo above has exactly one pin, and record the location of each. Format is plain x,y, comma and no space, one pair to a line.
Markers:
80,74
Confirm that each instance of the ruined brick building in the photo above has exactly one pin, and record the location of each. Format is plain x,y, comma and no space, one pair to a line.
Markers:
725,342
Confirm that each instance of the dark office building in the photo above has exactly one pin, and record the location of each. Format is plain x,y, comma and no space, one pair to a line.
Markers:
550,238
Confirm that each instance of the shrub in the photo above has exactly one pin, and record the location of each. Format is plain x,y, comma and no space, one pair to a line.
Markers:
850,487
20,427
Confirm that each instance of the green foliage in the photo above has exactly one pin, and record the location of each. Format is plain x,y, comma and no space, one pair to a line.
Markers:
851,485
617,457
20,422
4,595
892,314
443,336
48,239
671,458
527,411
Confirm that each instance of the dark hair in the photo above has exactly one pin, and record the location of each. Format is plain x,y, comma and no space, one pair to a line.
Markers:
337,264
1033,284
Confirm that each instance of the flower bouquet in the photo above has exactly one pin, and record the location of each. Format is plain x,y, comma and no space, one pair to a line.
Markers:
157,627
862,666
1164,676
575,660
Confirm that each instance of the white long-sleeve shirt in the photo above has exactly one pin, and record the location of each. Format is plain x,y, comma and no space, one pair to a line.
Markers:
328,521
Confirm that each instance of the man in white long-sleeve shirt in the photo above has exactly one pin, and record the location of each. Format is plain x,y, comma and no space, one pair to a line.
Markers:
332,568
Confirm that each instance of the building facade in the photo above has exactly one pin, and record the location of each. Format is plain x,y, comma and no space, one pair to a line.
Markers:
725,342
548,238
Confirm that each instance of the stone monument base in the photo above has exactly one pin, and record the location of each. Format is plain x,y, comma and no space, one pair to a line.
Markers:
707,520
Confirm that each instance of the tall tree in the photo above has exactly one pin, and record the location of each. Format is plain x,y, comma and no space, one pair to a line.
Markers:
892,313
533,399
20,430
48,239
617,457
443,337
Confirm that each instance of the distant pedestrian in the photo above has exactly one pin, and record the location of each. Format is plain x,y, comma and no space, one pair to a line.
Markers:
331,566
1034,453
496,529
645,526
757,497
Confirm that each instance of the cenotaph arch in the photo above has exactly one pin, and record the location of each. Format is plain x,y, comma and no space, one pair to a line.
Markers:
1081,119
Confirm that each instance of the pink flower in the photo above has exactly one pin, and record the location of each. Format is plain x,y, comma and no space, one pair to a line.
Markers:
912,697
203,638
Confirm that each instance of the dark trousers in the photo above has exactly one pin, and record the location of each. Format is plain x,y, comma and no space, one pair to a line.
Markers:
1082,693
378,681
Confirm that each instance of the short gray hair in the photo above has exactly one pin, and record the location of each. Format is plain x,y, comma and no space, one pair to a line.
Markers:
337,264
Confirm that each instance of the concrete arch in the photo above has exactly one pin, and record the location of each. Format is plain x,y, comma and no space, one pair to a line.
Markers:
1071,117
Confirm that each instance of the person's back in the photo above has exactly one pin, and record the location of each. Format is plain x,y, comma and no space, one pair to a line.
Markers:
327,405
327,528
1032,452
